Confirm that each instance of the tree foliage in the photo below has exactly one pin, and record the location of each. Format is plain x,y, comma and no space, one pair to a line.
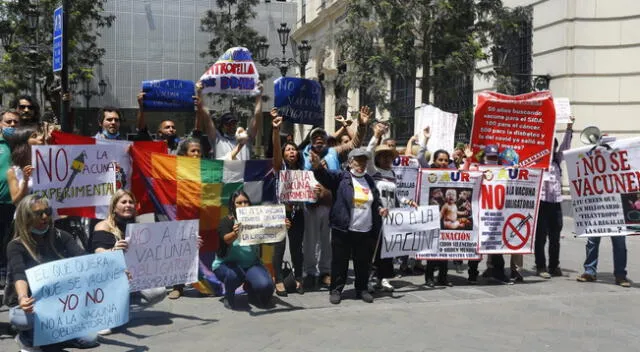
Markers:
229,25
30,52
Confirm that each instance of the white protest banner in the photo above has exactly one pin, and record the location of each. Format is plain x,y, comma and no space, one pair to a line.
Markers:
442,124
234,73
605,188
78,296
406,169
296,186
407,231
261,224
563,110
509,210
162,253
456,194
74,175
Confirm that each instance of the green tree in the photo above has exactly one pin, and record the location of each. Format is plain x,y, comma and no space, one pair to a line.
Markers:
384,40
30,53
229,25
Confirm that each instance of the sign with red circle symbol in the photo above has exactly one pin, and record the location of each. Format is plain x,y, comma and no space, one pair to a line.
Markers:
517,231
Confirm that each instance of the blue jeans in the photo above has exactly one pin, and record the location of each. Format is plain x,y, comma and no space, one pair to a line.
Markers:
619,256
260,285
23,322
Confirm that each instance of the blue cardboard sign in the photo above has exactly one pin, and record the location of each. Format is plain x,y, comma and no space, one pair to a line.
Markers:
299,100
168,95
78,296
58,32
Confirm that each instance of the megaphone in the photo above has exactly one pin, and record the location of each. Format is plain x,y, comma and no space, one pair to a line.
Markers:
590,135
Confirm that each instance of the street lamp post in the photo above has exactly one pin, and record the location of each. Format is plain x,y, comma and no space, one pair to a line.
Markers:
86,91
283,62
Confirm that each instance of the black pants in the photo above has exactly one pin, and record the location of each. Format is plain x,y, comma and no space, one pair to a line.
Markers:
443,267
549,224
295,234
497,262
473,268
6,218
383,267
343,245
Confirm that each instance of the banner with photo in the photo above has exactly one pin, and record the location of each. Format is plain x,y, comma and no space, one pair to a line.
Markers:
605,188
407,231
234,73
509,210
522,127
456,193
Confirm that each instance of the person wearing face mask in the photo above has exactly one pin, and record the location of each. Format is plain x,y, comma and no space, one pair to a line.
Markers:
109,119
35,242
109,235
355,219
9,119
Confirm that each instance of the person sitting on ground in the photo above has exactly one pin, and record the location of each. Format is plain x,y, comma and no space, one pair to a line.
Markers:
35,242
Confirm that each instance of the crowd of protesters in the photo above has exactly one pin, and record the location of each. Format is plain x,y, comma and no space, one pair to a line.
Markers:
356,188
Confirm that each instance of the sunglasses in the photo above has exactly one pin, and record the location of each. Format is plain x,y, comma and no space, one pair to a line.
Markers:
38,213
25,106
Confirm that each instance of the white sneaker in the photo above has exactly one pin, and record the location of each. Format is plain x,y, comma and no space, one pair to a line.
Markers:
105,332
386,285
25,348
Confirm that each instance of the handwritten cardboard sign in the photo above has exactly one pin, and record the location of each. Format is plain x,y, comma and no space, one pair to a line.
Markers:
261,224
78,296
234,73
74,175
296,186
299,100
168,95
407,231
162,253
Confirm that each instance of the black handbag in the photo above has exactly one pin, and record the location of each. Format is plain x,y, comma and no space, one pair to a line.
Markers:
288,279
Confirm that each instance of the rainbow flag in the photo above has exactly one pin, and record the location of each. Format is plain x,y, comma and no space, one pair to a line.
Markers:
184,188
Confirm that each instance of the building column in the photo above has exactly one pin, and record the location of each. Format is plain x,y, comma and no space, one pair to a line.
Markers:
329,103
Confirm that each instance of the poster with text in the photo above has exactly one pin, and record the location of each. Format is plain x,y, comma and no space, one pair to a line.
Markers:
605,188
74,175
442,127
509,210
522,127
234,73
261,224
168,95
407,231
406,169
299,100
456,195
162,254
78,296
296,186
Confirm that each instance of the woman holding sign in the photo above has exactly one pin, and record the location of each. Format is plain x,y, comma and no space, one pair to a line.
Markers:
109,236
289,159
35,242
236,264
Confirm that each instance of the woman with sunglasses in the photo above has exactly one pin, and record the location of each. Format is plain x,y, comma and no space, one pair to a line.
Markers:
35,242
236,264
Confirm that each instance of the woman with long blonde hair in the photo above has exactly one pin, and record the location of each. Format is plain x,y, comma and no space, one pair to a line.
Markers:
35,242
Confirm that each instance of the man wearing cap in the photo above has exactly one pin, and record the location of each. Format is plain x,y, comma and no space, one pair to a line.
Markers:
317,234
228,142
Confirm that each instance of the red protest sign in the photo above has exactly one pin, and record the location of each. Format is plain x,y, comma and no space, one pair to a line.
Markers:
521,127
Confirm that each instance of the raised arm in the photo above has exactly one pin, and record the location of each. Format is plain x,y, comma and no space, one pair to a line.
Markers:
203,116
257,115
275,139
426,134
566,141
140,123
363,121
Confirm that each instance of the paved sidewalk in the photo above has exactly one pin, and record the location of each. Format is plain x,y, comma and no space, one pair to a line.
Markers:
538,315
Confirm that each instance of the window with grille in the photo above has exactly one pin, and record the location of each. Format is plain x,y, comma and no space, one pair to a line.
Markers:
512,55
402,107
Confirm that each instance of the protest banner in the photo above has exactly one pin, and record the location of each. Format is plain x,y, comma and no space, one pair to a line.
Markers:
509,210
456,194
406,169
521,126
162,254
296,186
168,95
261,224
563,110
407,231
299,100
442,126
74,175
78,296
605,188
234,73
